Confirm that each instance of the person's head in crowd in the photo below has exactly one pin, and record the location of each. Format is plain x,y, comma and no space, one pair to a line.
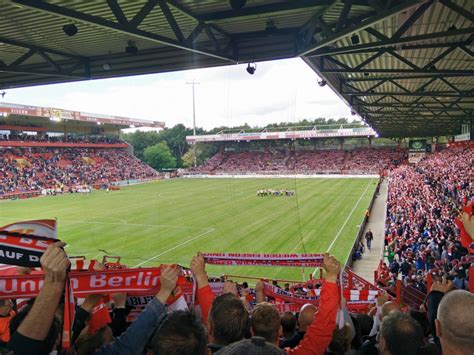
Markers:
51,339
455,324
388,308
228,320
180,334
254,345
88,343
5,308
341,340
265,322
288,324
400,335
306,316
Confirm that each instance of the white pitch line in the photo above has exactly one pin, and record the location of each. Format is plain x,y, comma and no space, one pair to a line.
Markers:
176,246
129,224
347,220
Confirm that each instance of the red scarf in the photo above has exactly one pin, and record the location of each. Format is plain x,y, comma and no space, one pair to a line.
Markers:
253,259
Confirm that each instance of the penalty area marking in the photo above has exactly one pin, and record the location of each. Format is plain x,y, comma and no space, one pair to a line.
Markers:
176,246
347,220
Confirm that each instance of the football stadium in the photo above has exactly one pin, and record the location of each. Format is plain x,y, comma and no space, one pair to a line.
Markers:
126,235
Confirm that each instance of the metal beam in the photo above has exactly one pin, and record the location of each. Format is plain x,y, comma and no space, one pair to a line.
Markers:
408,107
392,43
117,11
171,21
399,71
23,58
399,86
308,30
266,9
6,69
143,13
381,82
361,25
422,87
402,59
412,19
40,48
403,77
48,59
369,60
466,50
430,94
460,10
338,63
49,8
192,37
439,57
450,85
178,7
343,15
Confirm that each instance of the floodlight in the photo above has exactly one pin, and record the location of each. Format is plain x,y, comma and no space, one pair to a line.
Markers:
355,39
70,29
131,48
251,67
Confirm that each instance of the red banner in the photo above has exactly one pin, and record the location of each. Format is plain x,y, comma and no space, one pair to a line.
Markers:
136,282
45,228
22,249
253,259
291,297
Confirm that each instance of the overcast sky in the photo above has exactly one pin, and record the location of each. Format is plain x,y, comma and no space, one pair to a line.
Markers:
284,90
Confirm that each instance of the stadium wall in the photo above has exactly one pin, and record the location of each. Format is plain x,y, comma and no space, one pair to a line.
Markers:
279,176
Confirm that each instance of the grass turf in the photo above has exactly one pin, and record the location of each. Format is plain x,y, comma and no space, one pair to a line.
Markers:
169,221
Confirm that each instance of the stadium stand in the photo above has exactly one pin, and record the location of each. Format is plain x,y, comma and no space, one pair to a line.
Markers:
422,239
26,170
356,48
358,161
63,138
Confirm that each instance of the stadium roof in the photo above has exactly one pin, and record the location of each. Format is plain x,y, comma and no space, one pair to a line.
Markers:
404,65
23,116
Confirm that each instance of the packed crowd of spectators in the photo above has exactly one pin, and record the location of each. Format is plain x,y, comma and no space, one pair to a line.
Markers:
421,237
373,160
59,139
35,169
230,323
358,161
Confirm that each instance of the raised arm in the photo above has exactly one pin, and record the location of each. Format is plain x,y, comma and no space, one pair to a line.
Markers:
35,327
38,321
133,341
205,295
319,334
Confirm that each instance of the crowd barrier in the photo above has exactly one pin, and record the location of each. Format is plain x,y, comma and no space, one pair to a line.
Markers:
282,176
19,195
410,295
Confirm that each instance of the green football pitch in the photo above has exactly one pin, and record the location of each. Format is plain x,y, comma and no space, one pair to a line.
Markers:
169,221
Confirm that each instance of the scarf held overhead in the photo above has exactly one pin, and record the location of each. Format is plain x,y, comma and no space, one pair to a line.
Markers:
255,259
137,282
